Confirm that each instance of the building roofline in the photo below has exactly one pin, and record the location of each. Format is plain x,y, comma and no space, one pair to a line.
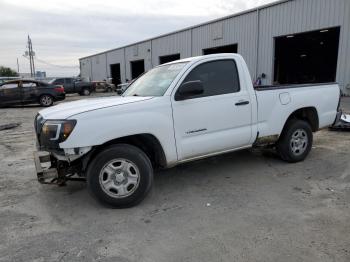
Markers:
255,9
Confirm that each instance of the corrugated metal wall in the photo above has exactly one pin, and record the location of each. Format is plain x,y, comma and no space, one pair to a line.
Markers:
179,43
116,57
85,68
241,30
99,67
254,32
302,16
138,52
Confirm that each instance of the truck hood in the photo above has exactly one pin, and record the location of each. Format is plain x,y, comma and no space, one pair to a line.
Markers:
65,110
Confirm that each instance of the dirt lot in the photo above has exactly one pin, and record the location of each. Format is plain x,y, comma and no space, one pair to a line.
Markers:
244,206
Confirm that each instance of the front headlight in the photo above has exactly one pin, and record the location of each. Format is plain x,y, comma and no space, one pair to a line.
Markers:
57,130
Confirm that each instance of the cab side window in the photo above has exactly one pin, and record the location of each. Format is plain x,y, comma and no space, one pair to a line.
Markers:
59,81
68,81
218,77
29,84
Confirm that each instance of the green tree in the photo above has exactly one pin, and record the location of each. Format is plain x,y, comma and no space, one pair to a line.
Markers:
6,71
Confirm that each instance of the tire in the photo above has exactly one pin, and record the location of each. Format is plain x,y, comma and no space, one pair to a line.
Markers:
120,176
295,141
46,100
85,92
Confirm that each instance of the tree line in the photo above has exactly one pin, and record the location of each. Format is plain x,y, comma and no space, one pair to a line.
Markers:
6,71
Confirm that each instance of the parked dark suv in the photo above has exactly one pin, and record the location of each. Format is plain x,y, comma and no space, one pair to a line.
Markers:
74,85
30,92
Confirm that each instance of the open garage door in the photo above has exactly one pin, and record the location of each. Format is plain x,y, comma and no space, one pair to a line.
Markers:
221,49
168,58
115,74
307,57
137,68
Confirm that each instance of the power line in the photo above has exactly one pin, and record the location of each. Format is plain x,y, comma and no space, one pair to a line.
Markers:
30,54
54,65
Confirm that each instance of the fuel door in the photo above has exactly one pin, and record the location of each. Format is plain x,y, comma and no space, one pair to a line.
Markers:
285,98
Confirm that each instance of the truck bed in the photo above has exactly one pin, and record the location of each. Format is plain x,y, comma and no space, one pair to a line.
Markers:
276,103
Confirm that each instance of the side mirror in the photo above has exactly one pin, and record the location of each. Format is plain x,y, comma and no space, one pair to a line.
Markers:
189,89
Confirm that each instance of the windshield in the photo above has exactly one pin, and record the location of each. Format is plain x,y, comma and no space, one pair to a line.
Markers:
155,82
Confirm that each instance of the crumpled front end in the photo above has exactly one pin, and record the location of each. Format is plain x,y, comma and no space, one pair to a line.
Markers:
55,165
50,170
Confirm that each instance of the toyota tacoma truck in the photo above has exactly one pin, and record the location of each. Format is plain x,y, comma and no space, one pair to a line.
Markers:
177,112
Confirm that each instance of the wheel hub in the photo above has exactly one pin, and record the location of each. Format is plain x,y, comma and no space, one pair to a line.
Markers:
119,178
299,142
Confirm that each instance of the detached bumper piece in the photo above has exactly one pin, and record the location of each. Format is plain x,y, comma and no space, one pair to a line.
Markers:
342,123
52,171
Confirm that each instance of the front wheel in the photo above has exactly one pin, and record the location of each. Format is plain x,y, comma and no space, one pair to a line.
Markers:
120,176
295,141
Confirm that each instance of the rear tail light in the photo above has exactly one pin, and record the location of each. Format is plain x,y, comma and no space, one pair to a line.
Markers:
59,89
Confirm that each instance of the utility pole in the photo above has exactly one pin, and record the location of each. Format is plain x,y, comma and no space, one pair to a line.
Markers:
17,66
31,55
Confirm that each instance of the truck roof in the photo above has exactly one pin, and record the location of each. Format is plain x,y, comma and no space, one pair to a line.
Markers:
198,58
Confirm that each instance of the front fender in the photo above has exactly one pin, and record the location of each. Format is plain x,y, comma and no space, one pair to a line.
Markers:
99,126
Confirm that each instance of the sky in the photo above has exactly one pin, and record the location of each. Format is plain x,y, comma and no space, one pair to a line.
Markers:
66,30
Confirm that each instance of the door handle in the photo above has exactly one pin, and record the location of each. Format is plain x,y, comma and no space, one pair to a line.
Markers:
242,103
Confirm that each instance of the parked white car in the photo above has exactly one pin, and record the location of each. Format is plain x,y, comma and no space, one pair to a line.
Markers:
175,113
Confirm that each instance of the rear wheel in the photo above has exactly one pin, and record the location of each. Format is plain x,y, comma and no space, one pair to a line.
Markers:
120,176
295,141
46,100
85,92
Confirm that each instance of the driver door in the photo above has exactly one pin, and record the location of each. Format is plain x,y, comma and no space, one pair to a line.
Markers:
217,120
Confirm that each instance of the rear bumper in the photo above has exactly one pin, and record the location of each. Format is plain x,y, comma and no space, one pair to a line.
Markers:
60,97
342,122
337,118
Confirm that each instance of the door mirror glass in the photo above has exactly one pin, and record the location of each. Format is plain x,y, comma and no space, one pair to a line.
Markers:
189,89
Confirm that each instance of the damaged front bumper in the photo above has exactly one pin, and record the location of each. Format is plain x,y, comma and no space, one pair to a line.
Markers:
50,170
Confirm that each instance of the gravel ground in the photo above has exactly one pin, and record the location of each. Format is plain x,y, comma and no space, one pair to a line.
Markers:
244,206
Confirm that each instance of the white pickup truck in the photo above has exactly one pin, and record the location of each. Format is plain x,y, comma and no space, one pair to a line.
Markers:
175,113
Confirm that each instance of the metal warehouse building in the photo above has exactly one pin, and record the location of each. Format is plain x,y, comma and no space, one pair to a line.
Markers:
286,42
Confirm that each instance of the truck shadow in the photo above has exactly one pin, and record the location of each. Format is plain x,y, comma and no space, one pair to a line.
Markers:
203,177
226,162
